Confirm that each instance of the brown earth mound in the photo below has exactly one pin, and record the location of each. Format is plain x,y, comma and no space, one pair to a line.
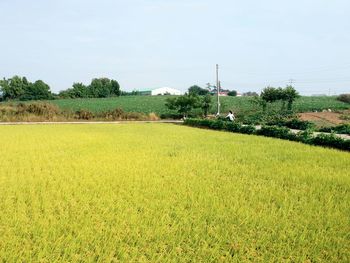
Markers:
326,118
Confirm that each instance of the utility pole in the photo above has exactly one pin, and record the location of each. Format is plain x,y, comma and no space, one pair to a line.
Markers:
218,89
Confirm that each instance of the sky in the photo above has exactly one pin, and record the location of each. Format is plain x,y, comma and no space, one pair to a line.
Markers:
146,44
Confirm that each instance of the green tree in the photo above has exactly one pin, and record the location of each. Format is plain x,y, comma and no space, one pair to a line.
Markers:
20,88
196,90
13,88
98,88
232,93
290,95
79,90
206,104
104,87
115,88
270,94
38,90
287,95
183,104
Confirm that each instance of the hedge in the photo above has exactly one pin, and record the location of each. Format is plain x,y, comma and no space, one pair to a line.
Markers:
294,124
340,129
327,140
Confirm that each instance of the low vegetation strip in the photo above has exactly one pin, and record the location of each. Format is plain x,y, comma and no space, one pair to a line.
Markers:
168,193
308,137
44,112
156,104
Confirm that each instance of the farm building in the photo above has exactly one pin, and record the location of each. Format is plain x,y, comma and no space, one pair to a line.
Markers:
161,91
222,92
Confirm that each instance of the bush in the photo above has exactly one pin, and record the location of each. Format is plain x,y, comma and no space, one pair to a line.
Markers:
277,132
134,116
204,122
233,126
299,124
293,124
84,115
153,117
39,109
116,114
305,136
339,129
325,129
232,93
173,116
217,124
344,98
330,140
248,129
342,129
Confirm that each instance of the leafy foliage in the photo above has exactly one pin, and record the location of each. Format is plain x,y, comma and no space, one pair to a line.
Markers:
186,103
340,129
232,93
293,124
344,98
98,88
21,89
206,104
183,104
274,131
287,95
197,90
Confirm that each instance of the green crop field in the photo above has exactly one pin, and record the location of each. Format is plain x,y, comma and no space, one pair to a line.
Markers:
169,193
156,104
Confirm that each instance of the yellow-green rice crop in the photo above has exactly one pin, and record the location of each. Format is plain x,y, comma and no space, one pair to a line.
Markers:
162,192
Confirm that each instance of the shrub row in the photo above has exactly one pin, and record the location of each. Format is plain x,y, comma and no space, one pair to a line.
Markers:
340,129
115,115
221,125
327,140
50,112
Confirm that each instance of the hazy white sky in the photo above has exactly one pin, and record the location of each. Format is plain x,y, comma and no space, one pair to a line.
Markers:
150,43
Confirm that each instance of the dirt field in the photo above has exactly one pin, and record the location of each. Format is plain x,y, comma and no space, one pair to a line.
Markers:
325,118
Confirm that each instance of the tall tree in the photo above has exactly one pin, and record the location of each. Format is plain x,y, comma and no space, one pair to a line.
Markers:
183,104
13,88
290,95
115,88
206,104
196,90
287,95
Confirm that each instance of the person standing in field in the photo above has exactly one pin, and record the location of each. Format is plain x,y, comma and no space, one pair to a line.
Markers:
230,116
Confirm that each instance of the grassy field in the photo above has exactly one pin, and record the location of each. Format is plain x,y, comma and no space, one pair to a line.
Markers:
156,104
169,193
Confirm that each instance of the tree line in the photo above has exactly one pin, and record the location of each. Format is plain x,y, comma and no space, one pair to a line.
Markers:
98,88
19,88
286,95
196,98
22,89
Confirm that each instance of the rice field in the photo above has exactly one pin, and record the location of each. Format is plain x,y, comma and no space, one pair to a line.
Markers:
169,193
